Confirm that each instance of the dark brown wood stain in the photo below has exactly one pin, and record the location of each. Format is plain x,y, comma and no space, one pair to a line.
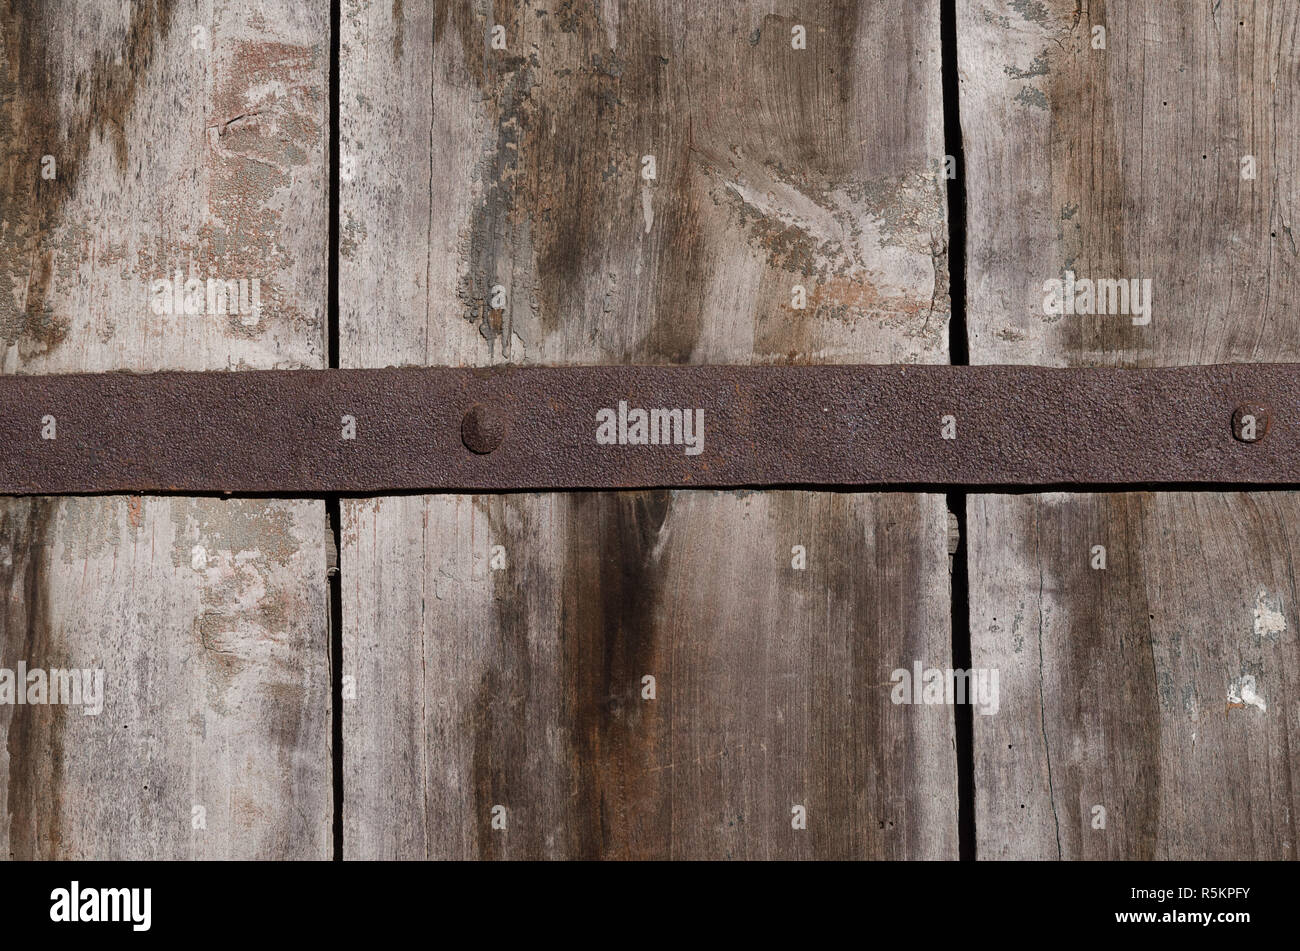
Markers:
1089,190
30,76
500,714
611,635
606,639
774,166
34,733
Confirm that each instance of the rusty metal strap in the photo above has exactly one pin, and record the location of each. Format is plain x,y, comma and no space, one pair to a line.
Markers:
449,429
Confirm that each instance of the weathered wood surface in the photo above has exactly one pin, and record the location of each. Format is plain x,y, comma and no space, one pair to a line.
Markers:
466,167
523,687
186,136
1124,687
1127,163
1127,688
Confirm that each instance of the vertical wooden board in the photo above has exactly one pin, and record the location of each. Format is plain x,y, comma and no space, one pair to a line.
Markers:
1127,163
182,136
1162,688
207,619
468,170
524,686
187,137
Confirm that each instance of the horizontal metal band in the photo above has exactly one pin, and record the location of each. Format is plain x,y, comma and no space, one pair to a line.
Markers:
450,429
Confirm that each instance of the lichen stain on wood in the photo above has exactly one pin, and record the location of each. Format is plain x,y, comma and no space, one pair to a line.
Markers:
246,609
244,527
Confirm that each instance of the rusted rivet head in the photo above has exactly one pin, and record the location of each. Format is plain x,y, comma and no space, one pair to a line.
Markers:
482,429
1250,422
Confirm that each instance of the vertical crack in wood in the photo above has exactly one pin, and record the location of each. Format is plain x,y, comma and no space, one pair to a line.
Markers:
1042,700
958,355
332,502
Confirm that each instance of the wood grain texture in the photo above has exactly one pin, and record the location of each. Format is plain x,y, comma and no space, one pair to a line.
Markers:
1125,687
216,682
186,136
468,167
1126,163
523,687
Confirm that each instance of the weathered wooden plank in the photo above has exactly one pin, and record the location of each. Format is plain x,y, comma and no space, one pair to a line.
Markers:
207,618
467,167
524,687
1133,162
1130,162
472,173
186,137
1162,689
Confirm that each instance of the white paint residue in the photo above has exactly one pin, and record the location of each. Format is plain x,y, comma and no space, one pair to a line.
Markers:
646,208
847,239
1269,622
518,349
791,207
1242,691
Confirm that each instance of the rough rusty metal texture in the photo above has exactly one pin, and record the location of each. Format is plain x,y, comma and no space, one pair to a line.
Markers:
280,432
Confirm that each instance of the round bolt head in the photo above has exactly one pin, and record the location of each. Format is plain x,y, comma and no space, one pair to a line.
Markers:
1250,422
482,429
